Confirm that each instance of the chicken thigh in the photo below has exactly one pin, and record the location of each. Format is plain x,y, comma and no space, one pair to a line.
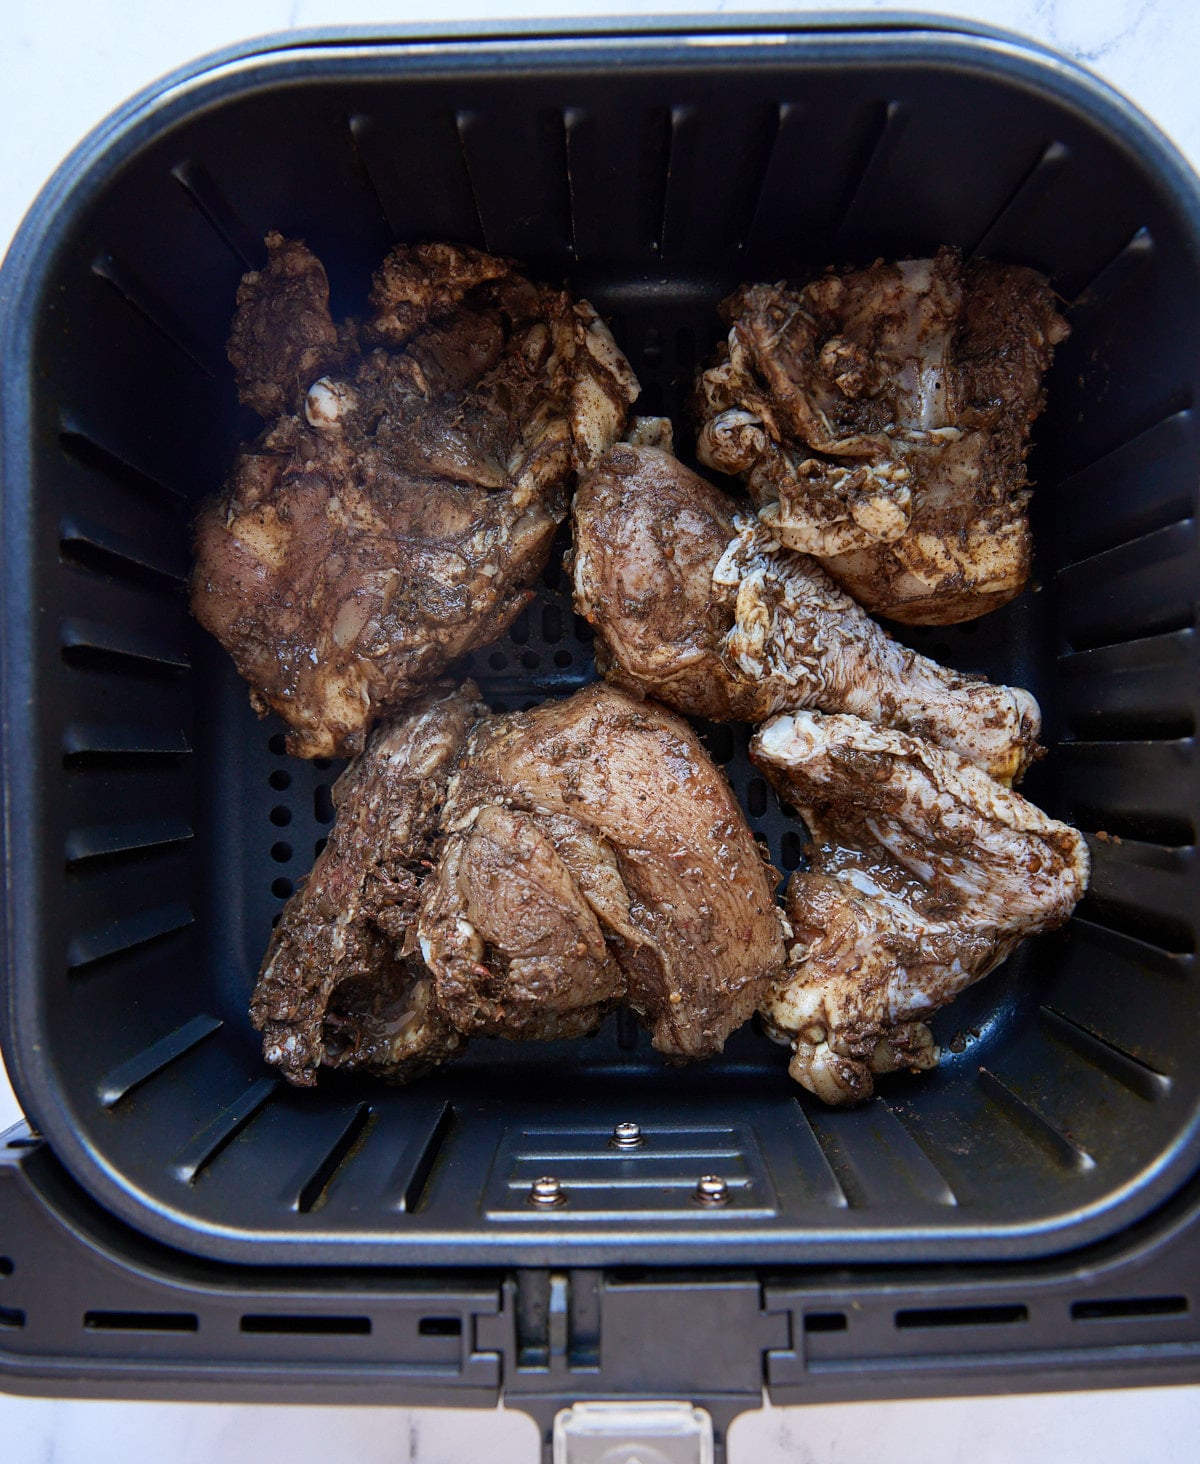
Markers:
410,480
340,985
880,419
695,602
594,854
924,875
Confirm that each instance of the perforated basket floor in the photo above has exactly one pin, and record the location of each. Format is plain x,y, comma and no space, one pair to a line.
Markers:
154,826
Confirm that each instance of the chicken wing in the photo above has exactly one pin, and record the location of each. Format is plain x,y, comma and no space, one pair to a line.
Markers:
881,418
924,875
410,480
695,602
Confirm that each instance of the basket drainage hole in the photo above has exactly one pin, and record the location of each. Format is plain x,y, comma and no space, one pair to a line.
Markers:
278,743
440,1326
6,1266
497,660
323,809
280,779
825,1321
281,888
562,659
281,816
281,852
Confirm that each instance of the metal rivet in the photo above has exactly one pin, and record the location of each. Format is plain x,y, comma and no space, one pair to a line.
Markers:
711,1190
547,1192
627,1136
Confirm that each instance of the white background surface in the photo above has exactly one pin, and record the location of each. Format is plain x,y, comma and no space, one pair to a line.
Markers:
63,65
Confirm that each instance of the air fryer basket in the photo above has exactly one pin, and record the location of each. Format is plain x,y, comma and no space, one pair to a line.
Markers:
153,826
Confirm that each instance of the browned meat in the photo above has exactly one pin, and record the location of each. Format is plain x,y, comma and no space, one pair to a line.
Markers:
340,984
519,876
925,874
880,419
409,483
694,602
598,821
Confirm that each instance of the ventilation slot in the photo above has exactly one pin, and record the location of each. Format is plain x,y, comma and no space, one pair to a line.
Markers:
107,746
93,547
422,1168
825,1321
886,123
962,1316
197,183
312,1194
111,841
6,1265
1169,935
1132,724
1137,1076
1112,278
1141,487
1035,1125
1129,1307
222,1131
137,1321
440,1327
136,1070
518,166
875,1161
266,1325
123,935
1166,830
1052,157
11,1316
88,646
83,449
153,309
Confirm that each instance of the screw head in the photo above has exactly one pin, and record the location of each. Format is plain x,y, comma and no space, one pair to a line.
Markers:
711,1190
547,1193
627,1136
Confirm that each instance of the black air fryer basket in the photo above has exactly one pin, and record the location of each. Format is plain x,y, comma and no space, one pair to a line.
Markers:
185,1225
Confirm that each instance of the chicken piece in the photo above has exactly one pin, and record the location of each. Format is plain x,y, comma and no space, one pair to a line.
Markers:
507,892
596,822
925,874
694,602
409,483
881,418
341,985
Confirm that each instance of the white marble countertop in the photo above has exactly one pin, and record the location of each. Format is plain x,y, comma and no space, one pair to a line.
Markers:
63,66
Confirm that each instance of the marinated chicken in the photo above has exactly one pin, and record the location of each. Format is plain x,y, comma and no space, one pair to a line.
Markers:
595,854
520,876
924,874
695,602
880,419
341,984
409,482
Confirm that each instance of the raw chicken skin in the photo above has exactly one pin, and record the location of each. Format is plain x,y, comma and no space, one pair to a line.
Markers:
410,480
696,603
880,419
925,874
